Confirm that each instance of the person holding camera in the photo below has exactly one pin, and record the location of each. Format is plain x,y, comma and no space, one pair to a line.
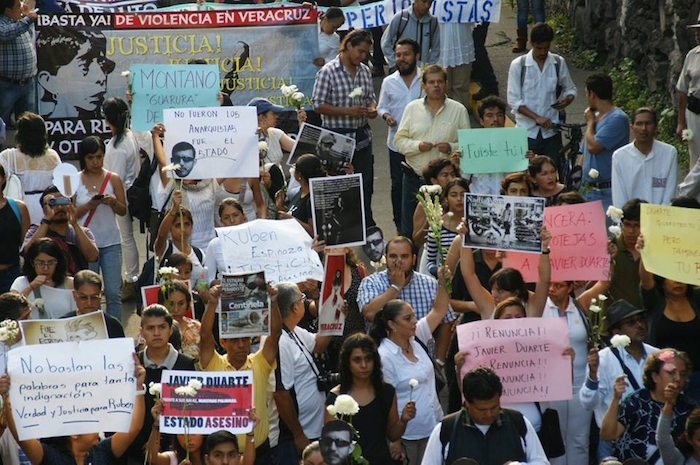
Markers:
300,386
60,224
100,199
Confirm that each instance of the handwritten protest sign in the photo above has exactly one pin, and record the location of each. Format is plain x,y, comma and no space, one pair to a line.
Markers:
90,326
72,387
526,353
492,150
157,87
245,305
216,142
223,402
281,248
579,245
671,242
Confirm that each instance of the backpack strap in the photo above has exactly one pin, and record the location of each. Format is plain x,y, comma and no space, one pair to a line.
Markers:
403,23
626,370
448,425
433,29
15,209
523,68
198,253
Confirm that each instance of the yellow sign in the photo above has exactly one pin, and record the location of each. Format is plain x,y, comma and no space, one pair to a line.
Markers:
671,242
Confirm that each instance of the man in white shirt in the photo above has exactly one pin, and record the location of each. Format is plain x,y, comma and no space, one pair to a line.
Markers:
646,168
539,87
299,400
482,430
605,366
428,130
398,89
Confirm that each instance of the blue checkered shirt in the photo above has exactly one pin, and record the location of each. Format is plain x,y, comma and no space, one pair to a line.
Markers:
17,53
419,292
333,86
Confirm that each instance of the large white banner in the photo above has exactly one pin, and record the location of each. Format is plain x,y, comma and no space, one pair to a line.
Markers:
72,387
281,248
215,142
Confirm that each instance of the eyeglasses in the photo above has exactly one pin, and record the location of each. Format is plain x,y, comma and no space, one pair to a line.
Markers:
85,298
327,442
633,320
43,264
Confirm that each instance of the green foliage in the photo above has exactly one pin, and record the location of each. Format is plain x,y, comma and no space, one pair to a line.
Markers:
629,95
565,42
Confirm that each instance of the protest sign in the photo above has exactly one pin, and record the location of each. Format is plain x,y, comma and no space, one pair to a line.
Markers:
90,326
492,150
579,245
331,319
216,142
281,248
334,150
53,303
256,51
157,87
223,402
526,353
72,387
337,209
503,222
245,305
671,242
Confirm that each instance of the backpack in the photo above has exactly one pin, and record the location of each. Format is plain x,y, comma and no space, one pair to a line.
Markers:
148,270
138,196
449,422
403,23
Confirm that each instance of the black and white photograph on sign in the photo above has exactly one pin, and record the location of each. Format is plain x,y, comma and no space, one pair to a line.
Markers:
503,222
334,150
245,305
337,208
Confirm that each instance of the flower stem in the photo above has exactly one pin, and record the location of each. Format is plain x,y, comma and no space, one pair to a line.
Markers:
182,227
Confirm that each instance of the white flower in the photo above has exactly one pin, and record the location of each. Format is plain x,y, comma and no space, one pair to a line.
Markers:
155,389
346,405
620,341
594,301
288,91
262,146
186,391
602,297
38,303
615,214
450,214
195,384
687,135
171,167
331,410
593,173
356,92
4,334
594,308
430,190
378,264
413,383
126,74
297,96
615,230
167,270
134,279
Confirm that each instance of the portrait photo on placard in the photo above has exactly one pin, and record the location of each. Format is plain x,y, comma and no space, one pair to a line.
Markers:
337,209
333,149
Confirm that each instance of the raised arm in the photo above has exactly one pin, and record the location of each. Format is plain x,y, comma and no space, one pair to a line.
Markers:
535,306
159,153
482,298
610,428
441,302
271,344
646,279
207,345
122,441
165,225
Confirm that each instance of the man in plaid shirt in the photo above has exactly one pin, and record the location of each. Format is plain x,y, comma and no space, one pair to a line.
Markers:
17,59
344,97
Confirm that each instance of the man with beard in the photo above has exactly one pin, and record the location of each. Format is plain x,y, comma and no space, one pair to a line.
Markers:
60,224
608,129
428,130
645,168
398,89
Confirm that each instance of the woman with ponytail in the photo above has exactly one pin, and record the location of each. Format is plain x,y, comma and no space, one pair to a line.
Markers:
122,158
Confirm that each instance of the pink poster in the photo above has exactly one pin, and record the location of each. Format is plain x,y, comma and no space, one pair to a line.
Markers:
526,353
578,247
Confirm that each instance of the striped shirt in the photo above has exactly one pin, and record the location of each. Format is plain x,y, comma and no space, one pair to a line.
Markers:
17,53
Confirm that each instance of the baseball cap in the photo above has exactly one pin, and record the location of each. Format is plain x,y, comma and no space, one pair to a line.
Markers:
264,105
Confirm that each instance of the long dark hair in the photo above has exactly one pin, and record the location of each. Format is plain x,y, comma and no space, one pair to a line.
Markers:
309,166
692,424
390,312
510,279
31,136
51,248
367,345
116,113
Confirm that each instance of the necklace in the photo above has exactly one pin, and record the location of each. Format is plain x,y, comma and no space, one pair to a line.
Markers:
407,349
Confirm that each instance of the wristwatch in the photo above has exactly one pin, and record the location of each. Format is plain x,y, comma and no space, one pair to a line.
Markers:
45,221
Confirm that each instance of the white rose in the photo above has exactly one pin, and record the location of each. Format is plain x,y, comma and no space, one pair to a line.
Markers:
286,91
602,297
171,167
155,389
262,146
593,173
594,309
614,214
126,73
687,135
620,341
331,410
186,391
413,383
297,96
615,230
346,405
195,384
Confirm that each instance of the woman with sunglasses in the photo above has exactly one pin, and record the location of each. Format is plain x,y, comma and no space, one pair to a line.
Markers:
45,269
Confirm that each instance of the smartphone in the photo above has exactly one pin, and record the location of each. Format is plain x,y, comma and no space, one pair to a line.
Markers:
98,197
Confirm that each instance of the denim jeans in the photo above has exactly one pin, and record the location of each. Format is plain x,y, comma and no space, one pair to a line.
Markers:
110,262
409,189
395,159
17,98
605,195
524,10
